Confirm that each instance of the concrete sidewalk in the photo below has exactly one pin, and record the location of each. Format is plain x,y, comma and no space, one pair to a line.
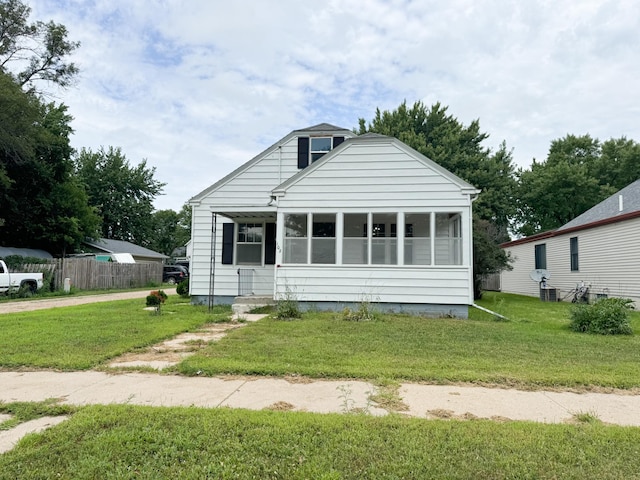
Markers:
424,401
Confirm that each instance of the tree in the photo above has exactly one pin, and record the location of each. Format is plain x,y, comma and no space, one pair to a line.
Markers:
619,163
39,49
571,180
458,148
121,194
42,203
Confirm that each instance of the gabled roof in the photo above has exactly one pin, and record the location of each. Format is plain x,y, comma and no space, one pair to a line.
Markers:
373,138
610,207
120,246
319,129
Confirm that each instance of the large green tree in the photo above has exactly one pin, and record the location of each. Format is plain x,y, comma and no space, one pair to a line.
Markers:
42,204
33,51
578,173
121,193
458,148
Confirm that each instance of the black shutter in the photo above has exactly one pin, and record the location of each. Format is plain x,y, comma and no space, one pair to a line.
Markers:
337,141
227,243
303,152
270,244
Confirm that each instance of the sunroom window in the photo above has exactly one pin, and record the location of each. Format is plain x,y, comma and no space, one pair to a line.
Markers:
448,241
384,244
355,242
249,244
417,239
323,241
295,238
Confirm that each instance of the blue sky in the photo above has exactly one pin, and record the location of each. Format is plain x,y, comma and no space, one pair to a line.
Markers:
198,87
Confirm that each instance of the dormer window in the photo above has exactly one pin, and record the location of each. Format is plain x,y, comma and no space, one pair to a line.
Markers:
319,146
311,149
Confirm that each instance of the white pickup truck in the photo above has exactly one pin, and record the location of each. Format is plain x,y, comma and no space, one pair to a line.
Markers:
15,281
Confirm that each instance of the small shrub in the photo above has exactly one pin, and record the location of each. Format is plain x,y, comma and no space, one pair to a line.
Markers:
183,288
608,316
153,301
156,298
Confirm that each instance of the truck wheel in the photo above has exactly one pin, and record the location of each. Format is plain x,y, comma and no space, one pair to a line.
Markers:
171,281
31,286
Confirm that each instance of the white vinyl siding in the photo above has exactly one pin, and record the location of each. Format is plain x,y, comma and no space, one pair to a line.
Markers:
369,186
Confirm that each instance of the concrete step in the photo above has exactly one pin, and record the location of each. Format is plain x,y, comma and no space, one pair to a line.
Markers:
243,305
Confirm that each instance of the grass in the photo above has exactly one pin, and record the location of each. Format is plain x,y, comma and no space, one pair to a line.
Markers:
176,443
84,336
534,349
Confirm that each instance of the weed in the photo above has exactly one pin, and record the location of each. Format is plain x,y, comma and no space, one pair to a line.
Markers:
586,417
365,311
288,308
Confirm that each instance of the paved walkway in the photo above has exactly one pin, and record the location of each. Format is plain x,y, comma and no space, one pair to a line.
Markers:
322,396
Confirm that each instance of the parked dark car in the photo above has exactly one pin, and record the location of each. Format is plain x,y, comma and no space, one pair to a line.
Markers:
173,274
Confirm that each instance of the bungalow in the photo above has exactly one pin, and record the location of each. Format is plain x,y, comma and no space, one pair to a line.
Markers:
331,219
599,249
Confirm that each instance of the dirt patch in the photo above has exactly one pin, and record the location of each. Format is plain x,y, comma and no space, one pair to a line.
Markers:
174,350
281,407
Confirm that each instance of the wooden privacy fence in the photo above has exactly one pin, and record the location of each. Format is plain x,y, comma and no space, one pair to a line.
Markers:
89,274
492,282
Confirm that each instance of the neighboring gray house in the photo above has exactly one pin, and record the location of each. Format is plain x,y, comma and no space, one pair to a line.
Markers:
599,247
139,254
331,219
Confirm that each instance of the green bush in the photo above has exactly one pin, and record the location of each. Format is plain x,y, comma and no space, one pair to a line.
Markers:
287,309
608,316
183,288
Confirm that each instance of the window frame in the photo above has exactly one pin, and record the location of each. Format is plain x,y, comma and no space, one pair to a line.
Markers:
540,256
239,244
318,154
574,255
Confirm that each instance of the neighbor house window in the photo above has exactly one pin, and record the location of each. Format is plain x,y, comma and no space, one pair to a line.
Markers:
249,244
323,240
295,238
417,239
384,244
448,241
573,247
355,243
540,252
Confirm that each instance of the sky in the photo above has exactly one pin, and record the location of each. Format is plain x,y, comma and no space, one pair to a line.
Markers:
198,87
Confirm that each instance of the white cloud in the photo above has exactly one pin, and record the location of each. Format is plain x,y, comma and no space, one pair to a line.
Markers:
199,87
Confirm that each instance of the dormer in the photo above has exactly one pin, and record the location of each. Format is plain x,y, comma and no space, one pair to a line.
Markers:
316,141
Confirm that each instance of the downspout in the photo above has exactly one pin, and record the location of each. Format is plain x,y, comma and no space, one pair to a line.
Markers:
472,198
212,263
279,164
489,311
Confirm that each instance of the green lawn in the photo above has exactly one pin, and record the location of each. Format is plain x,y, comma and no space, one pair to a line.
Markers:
534,349
82,337
176,443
